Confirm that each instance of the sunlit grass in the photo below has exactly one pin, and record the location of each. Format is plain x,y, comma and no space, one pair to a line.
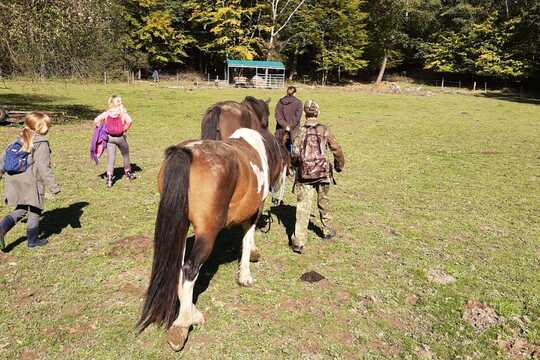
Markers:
448,182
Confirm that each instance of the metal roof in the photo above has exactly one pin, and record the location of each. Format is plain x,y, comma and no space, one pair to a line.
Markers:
256,64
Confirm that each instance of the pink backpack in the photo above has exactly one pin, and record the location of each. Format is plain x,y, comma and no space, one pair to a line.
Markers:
115,125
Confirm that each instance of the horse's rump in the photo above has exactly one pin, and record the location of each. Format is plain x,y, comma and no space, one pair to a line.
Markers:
222,119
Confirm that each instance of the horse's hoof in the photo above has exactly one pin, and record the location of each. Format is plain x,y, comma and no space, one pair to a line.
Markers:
245,281
176,337
254,256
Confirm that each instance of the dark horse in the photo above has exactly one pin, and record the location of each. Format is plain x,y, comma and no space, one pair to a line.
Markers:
224,118
211,185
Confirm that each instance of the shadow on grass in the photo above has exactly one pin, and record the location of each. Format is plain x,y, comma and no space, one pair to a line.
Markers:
55,221
227,249
511,98
118,172
286,215
20,102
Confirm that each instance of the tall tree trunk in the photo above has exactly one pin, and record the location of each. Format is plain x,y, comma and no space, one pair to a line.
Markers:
381,70
270,44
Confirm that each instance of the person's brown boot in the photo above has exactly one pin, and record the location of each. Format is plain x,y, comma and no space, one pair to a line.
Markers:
329,234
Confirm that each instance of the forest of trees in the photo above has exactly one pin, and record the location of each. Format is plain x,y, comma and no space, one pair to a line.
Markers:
323,39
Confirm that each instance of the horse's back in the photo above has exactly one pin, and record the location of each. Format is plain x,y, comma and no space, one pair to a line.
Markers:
222,181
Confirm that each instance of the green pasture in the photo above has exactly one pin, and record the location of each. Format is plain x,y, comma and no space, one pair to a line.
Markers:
446,184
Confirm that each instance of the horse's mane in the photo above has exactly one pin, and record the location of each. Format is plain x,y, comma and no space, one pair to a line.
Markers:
261,109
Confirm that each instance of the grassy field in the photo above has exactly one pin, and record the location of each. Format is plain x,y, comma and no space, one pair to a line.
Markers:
437,254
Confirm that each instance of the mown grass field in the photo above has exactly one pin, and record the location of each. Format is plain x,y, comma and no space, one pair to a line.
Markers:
448,184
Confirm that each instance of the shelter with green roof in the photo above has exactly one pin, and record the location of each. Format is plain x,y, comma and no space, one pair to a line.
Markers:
252,73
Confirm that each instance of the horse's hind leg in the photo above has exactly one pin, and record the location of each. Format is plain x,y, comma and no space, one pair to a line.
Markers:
197,316
189,315
248,242
254,255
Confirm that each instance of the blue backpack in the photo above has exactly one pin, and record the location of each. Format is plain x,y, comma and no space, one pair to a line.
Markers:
15,159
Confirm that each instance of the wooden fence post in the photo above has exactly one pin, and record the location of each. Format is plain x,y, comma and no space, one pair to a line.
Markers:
177,79
474,86
139,75
485,86
105,77
442,83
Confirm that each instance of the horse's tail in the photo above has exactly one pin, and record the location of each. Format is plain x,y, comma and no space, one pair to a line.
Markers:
172,224
209,128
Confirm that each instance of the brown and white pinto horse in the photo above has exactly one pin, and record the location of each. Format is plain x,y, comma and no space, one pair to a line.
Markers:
211,185
224,118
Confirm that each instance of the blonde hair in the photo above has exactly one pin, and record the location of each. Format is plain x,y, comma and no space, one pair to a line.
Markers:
115,102
34,123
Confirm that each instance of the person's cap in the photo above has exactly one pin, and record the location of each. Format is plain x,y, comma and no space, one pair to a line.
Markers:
311,108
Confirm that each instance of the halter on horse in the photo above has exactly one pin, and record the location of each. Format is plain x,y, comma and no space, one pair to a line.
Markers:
224,118
212,185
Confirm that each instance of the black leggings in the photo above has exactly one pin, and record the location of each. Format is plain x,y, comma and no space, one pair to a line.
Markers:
33,216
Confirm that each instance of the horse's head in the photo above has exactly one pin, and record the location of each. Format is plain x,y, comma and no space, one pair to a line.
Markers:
260,107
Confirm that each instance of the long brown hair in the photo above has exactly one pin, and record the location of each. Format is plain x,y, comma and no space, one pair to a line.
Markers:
34,123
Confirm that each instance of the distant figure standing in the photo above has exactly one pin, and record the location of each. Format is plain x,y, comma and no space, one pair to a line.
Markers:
288,114
118,122
155,75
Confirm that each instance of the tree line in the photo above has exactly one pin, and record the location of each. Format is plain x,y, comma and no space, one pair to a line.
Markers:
326,40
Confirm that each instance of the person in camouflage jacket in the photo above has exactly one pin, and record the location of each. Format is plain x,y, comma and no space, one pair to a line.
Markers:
306,186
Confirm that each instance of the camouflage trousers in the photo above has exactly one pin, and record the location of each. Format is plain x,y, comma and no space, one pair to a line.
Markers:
304,197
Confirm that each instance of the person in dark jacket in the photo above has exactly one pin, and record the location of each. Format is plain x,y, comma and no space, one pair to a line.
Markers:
288,114
26,191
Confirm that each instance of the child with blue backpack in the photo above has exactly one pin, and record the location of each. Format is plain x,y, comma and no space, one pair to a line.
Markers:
26,166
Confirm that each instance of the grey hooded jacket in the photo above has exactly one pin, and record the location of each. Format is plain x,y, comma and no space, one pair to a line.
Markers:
28,188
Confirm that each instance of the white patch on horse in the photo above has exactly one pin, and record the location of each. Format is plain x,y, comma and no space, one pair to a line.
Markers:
255,139
260,176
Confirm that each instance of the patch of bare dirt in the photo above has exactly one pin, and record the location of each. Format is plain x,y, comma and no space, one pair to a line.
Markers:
130,289
519,348
388,350
72,310
81,328
479,315
136,245
440,277
303,304
28,355
343,296
412,300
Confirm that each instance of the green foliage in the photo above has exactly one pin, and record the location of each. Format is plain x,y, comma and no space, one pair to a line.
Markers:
484,49
229,32
332,33
157,31
497,38
59,37
342,36
386,26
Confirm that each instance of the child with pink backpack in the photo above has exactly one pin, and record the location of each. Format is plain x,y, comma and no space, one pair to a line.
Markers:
117,122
